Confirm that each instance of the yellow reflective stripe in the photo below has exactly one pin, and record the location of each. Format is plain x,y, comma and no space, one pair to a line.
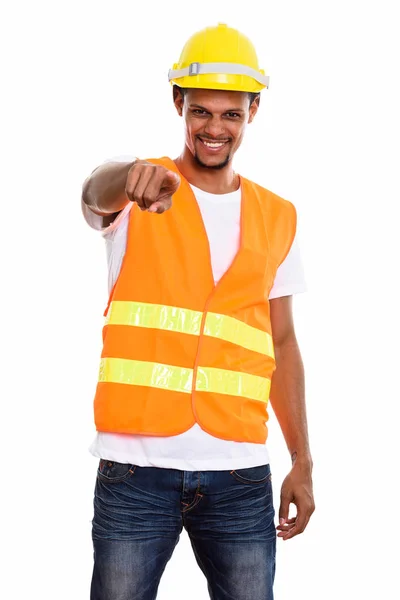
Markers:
156,316
235,331
233,383
179,379
149,374
184,320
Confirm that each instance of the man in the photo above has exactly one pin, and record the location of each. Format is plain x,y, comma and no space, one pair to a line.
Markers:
201,264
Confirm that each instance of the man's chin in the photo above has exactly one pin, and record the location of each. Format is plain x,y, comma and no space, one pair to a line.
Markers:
212,162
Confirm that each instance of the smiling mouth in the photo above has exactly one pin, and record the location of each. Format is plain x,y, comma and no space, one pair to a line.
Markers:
213,145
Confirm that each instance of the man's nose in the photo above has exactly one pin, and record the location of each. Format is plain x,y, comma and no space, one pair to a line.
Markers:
214,127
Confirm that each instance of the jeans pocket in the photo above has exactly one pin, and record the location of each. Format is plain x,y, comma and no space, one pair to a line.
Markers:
253,475
114,472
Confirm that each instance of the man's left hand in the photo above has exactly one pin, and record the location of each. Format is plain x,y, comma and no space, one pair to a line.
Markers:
297,488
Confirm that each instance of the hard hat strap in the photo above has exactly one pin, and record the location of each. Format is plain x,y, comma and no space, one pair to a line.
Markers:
218,68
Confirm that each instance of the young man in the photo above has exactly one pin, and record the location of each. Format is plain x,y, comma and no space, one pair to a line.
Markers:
203,264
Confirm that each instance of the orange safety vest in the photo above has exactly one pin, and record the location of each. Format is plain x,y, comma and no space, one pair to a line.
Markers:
178,349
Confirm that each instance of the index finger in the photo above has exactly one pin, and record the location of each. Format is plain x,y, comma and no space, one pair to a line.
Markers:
171,181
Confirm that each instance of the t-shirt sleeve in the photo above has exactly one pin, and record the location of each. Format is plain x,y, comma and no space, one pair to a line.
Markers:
96,221
290,278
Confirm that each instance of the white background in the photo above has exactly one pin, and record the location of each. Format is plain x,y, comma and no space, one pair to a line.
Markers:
83,81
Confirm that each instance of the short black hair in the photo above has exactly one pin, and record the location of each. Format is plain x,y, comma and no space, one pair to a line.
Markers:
252,95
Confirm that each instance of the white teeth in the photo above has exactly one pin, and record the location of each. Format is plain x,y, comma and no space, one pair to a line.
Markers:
213,144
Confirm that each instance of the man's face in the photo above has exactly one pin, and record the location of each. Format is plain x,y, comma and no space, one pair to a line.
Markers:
215,122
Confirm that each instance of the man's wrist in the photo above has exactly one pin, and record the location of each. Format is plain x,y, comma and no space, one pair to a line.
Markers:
302,458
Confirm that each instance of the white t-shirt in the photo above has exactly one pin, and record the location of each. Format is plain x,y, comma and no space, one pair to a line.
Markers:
195,449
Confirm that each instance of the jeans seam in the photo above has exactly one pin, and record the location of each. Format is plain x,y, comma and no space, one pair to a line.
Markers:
253,482
197,496
104,479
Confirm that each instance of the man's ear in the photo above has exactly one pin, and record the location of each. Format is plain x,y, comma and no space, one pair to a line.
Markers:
254,108
178,99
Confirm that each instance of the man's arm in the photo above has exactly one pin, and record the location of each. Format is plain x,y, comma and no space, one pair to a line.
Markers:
287,395
104,190
287,398
112,185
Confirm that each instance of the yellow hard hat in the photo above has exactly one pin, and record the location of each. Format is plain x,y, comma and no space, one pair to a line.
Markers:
219,58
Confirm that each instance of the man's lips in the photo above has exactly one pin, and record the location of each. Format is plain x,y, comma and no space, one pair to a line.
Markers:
213,145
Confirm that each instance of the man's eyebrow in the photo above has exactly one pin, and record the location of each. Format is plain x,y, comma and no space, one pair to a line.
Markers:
198,106
206,109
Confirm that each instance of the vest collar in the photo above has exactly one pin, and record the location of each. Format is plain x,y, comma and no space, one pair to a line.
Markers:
185,185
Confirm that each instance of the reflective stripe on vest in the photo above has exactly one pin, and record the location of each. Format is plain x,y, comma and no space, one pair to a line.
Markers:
179,379
184,320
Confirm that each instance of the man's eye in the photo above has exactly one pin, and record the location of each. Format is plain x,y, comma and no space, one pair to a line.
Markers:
232,115
198,111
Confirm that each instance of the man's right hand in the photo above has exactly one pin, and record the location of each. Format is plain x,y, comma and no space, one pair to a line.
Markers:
151,186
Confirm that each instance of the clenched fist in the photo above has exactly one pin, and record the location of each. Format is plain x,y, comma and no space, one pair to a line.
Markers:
151,186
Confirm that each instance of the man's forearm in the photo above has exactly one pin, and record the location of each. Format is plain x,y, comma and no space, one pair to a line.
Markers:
104,190
287,398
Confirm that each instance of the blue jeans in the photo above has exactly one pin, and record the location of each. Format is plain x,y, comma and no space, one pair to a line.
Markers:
139,513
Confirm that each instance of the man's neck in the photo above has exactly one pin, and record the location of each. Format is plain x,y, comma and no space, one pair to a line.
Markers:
214,181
